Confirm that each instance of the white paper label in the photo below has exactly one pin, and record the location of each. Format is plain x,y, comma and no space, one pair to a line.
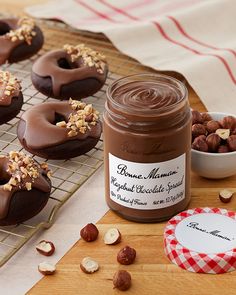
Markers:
207,233
147,186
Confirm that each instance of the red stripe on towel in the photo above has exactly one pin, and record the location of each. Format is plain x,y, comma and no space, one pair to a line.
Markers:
162,31
183,32
96,12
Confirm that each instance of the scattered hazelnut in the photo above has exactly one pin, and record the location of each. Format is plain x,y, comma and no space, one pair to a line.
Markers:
225,196
122,280
200,144
89,265
196,117
206,117
198,129
89,233
223,149
46,268
231,141
126,255
229,122
46,248
112,236
212,126
223,133
213,141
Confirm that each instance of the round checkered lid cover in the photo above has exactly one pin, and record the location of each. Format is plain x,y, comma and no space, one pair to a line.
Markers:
202,240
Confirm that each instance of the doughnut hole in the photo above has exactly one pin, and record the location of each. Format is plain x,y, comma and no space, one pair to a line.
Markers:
4,176
65,64
58,118
4,29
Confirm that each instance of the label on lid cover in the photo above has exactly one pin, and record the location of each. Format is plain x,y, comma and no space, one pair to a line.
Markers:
147,186
202,240
207,233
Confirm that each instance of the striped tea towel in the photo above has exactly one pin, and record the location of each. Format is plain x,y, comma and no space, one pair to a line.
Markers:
196,38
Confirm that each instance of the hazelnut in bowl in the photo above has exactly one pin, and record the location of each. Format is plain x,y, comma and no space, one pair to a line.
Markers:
213,144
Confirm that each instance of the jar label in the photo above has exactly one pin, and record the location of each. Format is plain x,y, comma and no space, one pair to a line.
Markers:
147,186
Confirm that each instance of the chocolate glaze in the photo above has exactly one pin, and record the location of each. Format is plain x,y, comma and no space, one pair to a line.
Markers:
11,111
19,49
40,130
41,184
38,133
48,66
147,120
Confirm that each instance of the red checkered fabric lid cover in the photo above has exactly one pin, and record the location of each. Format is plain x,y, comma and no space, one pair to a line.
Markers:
183,230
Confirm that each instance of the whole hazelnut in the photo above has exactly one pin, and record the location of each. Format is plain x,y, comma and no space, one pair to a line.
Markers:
223,149
203,137
213,141
212,126
200,144
231,141
122,280
196,117
206,117
229,122
89,233
198,129
126,255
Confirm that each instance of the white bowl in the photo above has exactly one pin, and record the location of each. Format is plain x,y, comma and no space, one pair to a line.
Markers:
214,165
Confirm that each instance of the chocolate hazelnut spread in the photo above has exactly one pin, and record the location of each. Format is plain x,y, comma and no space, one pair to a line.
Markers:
147,144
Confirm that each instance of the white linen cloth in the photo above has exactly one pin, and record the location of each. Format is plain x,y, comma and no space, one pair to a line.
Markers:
193,37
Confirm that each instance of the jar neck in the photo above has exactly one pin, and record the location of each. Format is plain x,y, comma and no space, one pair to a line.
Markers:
147,102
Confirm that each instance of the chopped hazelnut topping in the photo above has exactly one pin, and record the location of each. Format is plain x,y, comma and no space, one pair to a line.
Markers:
12,181
23,169
44,165
24,31
49,174
7,92
78,119
7,187
72,133
28,186
9,85
61,124
91,58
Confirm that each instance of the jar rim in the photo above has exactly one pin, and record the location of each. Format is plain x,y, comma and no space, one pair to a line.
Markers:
148,111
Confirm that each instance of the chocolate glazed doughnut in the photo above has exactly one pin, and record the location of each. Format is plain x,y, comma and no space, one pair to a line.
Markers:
59,130
11,98
75,71
24,187
19,39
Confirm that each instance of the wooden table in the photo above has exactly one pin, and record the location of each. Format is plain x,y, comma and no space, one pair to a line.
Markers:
152,273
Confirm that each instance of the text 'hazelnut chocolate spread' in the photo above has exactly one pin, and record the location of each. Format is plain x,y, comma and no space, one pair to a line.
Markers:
147,144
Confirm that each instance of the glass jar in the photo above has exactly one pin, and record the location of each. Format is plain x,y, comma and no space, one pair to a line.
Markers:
147,147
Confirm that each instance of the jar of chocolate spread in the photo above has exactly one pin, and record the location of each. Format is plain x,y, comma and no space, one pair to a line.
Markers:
147,145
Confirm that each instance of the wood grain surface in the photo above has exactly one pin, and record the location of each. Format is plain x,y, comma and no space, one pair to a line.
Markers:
152,273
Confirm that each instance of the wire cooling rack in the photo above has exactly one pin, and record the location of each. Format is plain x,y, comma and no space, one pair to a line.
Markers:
67,175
